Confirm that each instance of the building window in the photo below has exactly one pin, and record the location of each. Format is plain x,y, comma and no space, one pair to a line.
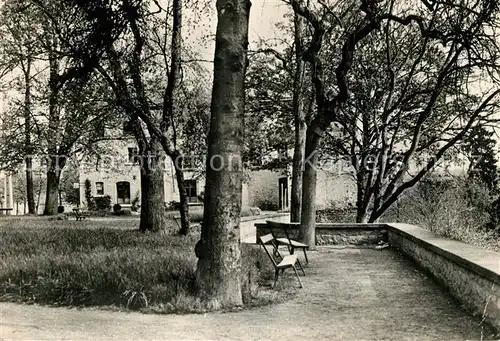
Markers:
191,190
133,155
99,188
123,192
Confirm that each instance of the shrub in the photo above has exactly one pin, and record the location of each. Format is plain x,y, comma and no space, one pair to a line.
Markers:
267,205
123,212
454,208
117,208
60,209
102,203
337,213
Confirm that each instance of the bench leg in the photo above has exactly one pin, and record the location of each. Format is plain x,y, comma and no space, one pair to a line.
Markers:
305,255
297,275
276,274
301,267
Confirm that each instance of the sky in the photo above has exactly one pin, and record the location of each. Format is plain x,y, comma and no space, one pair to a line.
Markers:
264,15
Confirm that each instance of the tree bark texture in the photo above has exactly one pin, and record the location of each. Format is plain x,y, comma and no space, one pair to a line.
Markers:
300,125
219,264
152,189
27,138
307,231
56,164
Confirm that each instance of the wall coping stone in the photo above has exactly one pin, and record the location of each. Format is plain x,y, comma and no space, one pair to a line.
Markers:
262,216
338,225
484,262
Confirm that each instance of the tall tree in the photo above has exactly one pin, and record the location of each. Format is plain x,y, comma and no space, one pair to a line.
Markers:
61,127
344,28
268,114
19,50
300,124
219,264
279,94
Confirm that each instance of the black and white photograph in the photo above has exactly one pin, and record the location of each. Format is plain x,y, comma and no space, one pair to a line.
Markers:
250,170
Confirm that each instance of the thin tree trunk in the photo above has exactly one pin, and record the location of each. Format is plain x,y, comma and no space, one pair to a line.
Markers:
300,125
170,107
27,138
183,199
307,231
152,190
219,264
30,195
56,165
39,192
361,205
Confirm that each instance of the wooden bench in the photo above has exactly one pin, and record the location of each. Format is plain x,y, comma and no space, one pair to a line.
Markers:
5,211
290,243
80,215
280,262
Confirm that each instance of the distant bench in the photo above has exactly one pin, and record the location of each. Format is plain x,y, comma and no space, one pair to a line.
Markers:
80,215
5,211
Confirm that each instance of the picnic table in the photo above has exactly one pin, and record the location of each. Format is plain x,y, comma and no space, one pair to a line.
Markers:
5,211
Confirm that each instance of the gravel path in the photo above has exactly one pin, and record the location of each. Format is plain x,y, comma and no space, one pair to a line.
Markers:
349,294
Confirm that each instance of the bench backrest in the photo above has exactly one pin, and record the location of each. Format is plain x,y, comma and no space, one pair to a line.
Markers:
266,241
281,227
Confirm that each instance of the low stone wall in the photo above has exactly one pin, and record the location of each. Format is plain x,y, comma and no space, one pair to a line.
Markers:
332,234
470,274
247,224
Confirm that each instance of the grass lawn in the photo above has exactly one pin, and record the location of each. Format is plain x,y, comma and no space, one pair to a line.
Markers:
107,262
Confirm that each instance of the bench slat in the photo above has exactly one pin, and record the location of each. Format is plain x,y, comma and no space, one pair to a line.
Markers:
294,243
288,261
267,238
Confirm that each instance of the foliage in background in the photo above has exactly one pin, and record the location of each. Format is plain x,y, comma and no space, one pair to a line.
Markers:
479,145
102,203
452,207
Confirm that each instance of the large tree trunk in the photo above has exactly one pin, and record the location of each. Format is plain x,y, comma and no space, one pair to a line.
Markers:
300,125
27,138
219,264
56,165
307,231
152,190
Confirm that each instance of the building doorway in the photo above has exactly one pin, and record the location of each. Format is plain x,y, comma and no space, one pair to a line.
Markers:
283,194
191,192
123,192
